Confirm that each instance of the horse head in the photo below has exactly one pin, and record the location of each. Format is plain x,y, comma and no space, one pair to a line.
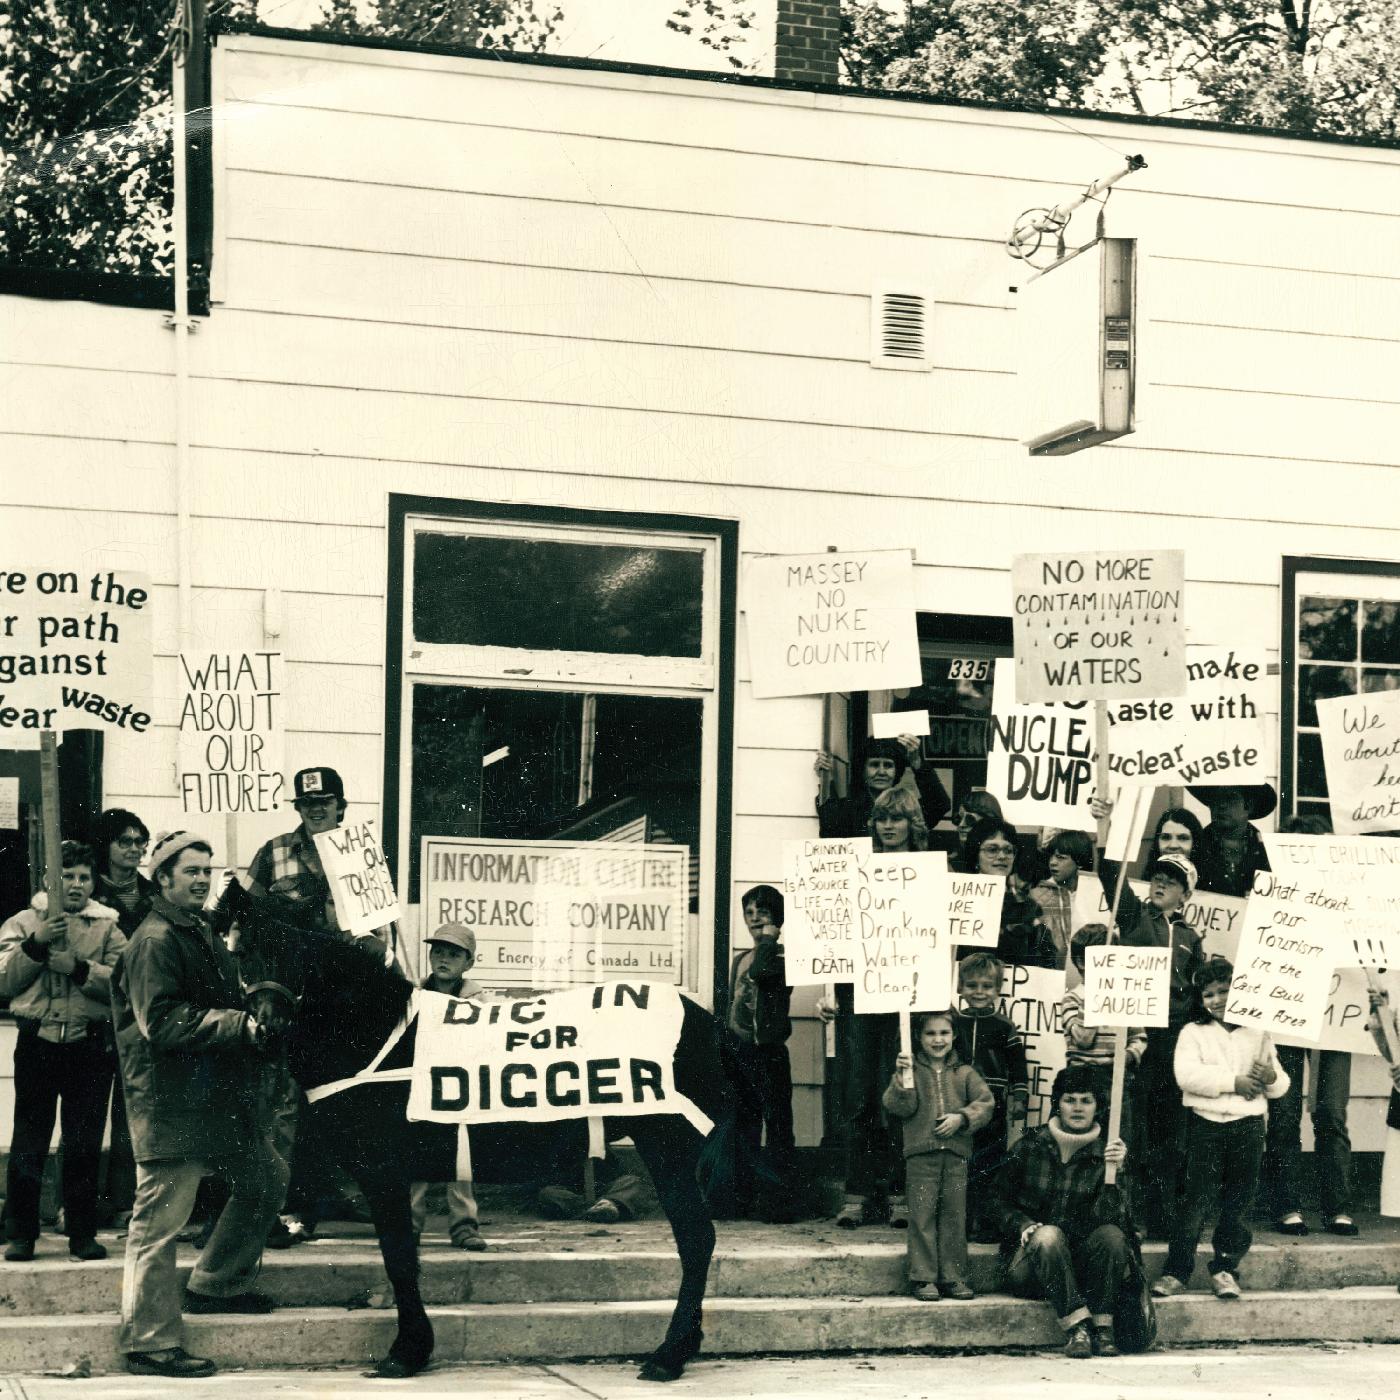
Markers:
267,939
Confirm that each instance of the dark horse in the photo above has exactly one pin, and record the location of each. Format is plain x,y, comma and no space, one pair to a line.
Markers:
336,1004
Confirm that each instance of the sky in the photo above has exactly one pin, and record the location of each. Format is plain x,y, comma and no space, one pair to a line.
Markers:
631,31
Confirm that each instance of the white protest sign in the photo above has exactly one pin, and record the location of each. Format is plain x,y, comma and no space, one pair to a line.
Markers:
905,959
1126,986
890,724
9,804
624,906
359,877
1040,759
231,731
1348,1008
75,652
974,910
1361,753
1105,625
826,622
1215,735
1127,825
1283,966
1218,918
585,1052
1031,999
819,892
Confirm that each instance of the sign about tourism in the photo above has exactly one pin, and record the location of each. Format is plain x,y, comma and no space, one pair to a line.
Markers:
819,892
1348,1010
904,956
1361,753
607,909
1040,759
581,1053
1215,735
890,724
1108,625
1284,963
825,622
1031,998
75,652
974,910
1126,986
231,729
358,874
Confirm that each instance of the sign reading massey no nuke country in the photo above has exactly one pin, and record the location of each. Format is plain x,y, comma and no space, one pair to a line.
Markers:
560,912
1099,626
75,651
818,623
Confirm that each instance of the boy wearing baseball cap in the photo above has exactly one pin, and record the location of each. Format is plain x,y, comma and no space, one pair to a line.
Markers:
451,954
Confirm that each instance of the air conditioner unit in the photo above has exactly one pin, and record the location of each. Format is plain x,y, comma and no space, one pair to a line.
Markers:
1077,330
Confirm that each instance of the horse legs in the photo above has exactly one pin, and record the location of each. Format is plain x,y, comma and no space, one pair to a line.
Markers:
388,1198
671,1150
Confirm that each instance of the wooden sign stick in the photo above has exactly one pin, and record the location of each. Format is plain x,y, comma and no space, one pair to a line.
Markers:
1101,762
906,1046
1120,1034
1387,1023
53,840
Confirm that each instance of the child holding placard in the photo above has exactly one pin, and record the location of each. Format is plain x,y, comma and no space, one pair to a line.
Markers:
1093,1045
995,1048
1066,902
946,1104
1226,1073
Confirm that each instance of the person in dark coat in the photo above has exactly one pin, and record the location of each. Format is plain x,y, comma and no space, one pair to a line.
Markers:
1230,853
192,1068
883,765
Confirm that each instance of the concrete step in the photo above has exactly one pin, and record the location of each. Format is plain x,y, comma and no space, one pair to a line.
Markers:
733,1326
634,1264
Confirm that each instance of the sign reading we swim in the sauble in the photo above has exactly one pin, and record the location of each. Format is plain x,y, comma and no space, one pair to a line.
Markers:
1107,625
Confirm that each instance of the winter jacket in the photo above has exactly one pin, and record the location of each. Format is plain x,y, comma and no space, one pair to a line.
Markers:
1140,925
992,1045
1099,1050
850,816
1064,911
64,1006
1208,1060
951,1087
1213,871
761,1016
1034,1187
191,1079
129,920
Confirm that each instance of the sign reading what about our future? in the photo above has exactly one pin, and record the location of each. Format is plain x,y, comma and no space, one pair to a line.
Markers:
819,623
1125,986
231,731
358,874
1104,625
1361,752
75,652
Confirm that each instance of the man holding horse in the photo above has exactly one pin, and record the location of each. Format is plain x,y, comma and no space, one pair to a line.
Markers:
192,1065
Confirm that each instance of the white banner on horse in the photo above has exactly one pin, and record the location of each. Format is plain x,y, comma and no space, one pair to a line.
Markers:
583,1052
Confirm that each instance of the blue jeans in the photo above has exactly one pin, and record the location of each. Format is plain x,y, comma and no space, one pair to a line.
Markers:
1331,1142
1079,1280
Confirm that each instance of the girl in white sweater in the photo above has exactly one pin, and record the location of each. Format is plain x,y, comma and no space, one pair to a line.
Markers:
1226,1073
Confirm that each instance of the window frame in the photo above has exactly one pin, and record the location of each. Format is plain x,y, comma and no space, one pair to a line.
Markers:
709,678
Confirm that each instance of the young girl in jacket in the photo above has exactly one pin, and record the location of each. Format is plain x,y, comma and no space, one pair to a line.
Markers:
1226,1073
946,1103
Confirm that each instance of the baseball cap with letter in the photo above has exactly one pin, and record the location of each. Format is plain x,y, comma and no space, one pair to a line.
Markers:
317,782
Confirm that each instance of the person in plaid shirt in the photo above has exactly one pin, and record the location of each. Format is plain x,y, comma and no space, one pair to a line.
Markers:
289,867
1057,1242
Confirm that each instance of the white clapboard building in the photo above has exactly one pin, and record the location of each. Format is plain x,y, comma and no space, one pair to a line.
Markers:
510,366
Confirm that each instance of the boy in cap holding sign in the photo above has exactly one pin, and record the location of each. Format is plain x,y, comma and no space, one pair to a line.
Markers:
288,867
451,954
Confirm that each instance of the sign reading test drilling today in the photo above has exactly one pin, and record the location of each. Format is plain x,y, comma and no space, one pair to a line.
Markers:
560,913
1108,625
75,652
818,623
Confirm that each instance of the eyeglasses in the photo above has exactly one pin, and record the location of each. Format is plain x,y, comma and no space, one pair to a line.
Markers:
131,843
998,850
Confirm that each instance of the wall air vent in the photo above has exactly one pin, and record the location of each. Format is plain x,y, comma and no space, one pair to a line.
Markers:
901,329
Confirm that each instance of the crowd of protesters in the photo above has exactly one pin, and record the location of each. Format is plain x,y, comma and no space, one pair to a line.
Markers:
129,1009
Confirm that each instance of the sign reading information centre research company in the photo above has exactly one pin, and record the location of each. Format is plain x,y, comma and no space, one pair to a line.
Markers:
560,913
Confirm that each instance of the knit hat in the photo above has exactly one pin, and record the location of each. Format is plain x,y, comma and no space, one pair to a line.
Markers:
171,843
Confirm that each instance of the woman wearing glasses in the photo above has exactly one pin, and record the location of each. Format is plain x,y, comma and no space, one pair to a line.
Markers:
991,849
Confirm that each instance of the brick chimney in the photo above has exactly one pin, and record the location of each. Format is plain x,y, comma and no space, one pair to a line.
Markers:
809,38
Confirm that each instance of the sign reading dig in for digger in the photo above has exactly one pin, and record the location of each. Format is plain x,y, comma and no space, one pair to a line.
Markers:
1099,626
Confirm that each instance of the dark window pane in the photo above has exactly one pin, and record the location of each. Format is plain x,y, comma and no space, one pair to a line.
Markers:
551,595
1327,629
1321,683
1312,779
1317,809
1380,632
1376,678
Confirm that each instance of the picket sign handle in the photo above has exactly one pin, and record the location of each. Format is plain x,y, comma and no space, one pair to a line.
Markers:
1120,1034
829,1029
906,1046
53,839
1101,762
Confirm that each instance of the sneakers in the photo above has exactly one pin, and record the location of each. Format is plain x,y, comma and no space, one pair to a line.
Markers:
1226,1285
1168,1286
899,1213
959,1292
234,1303
1343,1225
1104,1344
19,1251
85,1251
1292,1224
850,1217
175,1362
925,1292
1079,1346
467,1235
